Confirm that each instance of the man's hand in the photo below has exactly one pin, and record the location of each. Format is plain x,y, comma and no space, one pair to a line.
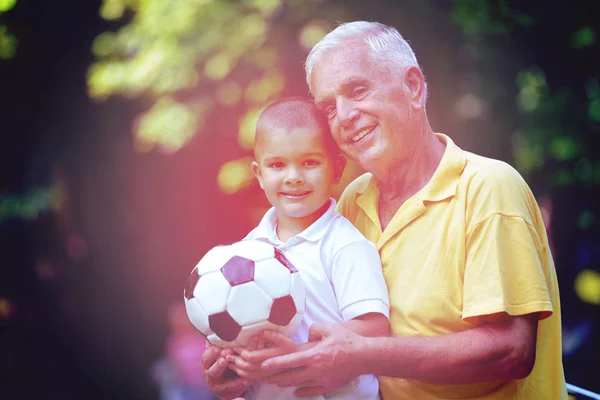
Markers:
219,377
325,366
246,362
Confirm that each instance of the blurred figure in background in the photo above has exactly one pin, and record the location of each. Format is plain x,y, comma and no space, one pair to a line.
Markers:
179,372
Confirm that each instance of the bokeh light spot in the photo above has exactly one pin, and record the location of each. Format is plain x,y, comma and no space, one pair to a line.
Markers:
7,308
8,44
563,148
218,67
584,37
311,33
168,124
527,156
112,9
266,7
104,44
585,220
470,106
587,286
247,128
594,110
6,5
235,175
268,86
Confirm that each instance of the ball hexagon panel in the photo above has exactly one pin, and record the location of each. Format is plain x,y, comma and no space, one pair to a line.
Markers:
298,292
197,316
214,259
212,291
284,261
238,270
190,284
252,249
282,311
248,304
273,278
224,326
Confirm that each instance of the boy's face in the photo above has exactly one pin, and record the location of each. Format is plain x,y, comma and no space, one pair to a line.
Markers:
296,172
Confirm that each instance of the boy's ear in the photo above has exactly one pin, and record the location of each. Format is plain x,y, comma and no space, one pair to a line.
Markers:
339,166
257,173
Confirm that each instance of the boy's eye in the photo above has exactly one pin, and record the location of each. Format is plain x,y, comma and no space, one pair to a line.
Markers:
312,162
276,165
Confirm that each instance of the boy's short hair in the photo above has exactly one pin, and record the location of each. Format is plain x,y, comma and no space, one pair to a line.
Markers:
294,112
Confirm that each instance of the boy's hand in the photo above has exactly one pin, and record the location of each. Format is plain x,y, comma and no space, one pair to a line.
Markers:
218,376
247,362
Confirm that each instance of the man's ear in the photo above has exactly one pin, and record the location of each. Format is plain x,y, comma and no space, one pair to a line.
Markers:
415,84
338,168
257,173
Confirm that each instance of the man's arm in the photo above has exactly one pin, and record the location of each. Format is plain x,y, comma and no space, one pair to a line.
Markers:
495,351
248,363
501,349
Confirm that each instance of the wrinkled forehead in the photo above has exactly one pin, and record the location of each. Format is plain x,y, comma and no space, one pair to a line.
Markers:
340,66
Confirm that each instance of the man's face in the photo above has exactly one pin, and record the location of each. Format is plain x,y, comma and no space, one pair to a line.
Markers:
367,107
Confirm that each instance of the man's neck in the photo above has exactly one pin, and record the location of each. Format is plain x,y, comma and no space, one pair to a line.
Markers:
410,174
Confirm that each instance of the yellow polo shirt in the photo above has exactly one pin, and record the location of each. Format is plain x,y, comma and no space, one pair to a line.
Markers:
470,243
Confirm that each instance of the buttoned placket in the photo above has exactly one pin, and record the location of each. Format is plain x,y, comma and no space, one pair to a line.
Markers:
407,213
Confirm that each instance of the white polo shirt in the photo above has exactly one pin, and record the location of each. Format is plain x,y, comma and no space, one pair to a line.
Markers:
343,278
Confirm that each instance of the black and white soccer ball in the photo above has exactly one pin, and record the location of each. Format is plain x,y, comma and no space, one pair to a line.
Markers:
239,290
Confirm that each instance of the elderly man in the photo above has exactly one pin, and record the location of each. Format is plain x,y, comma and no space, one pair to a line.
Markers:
475,309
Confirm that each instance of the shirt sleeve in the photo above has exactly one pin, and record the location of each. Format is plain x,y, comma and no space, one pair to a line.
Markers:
358,282
504,270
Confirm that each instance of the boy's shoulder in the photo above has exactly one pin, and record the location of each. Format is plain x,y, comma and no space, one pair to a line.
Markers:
341,233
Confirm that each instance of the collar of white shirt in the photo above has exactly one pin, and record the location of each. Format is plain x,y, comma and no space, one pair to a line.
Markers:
266,229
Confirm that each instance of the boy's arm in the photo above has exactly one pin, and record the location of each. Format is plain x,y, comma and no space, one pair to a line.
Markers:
371,324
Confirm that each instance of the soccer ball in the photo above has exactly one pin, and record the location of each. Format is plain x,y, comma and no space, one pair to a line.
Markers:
239,290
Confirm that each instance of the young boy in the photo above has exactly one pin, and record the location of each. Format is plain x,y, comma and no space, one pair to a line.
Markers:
297,164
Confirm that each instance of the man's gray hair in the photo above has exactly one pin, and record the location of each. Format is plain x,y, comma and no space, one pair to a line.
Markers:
387,46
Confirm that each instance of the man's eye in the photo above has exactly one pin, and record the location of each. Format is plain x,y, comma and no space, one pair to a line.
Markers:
359,91
329,110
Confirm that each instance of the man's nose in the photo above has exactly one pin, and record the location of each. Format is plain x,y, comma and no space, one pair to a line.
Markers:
346,112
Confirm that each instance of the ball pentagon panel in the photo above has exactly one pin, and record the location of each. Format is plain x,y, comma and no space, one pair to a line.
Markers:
224,326
238,270
282,311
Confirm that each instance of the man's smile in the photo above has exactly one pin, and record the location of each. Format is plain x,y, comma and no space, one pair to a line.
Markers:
361,133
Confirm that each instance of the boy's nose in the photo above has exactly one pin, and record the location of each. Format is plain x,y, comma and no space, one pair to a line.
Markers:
293,176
